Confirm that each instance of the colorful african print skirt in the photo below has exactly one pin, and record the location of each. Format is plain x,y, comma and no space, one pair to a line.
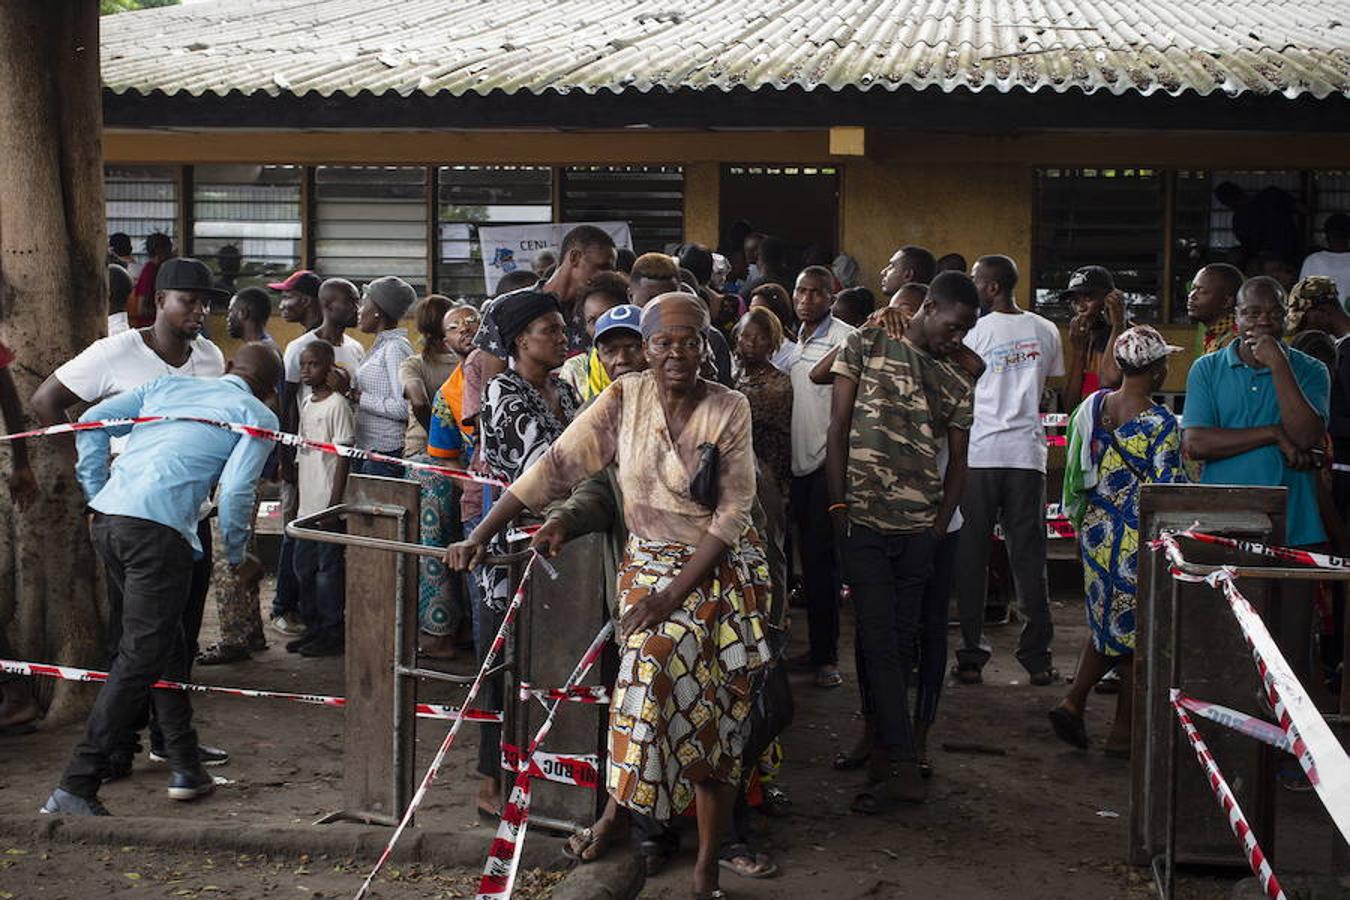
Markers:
682,700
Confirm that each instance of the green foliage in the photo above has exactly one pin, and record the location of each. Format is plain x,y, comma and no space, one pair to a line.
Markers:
109,7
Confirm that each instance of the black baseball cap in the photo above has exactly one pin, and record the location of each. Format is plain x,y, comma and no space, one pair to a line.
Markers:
1088,280
183,274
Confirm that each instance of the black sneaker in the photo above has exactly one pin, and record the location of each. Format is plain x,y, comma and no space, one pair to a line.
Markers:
189,785
64,803
308,637
210,756
328,645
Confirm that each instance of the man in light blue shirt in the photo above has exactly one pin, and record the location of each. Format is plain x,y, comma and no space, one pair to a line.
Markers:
144,525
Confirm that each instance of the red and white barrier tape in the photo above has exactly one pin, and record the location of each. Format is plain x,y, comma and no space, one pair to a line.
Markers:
577,769
1251,726
1054,420
499,872
70,673
1310,739
1228,803
489,660
582,693
266,434
1055,529
1287,554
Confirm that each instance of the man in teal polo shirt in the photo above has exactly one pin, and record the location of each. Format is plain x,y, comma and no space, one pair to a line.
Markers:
1256,412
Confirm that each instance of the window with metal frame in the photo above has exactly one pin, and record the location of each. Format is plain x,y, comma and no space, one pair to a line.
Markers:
246,221
371,221
472,196
649,198
139,201
1112,217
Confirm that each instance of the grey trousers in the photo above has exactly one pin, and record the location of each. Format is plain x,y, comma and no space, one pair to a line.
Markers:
1014,498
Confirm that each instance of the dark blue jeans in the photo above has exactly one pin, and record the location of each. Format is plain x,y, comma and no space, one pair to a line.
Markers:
887,574
320,571
382,469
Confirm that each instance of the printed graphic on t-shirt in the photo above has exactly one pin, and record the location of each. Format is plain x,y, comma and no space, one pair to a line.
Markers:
1016,354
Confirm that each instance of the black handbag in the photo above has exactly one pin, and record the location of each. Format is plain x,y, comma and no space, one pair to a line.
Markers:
703,486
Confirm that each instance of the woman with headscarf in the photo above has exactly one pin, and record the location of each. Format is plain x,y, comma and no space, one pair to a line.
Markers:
691,587
524,410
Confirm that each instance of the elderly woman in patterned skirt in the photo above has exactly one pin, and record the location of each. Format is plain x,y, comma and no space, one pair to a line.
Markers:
692,584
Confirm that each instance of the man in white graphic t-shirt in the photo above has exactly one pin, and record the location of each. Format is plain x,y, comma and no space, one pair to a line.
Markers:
1006,479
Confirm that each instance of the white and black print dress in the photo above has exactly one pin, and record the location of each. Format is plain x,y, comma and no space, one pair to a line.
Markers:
517,425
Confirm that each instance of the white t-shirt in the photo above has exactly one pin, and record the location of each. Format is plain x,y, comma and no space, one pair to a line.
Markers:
347,357
117,323
124,362
1020,351
332,420
1335,266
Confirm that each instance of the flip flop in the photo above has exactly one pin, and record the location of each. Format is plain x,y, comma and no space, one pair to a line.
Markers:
589,841
1069,728
760,866
846,763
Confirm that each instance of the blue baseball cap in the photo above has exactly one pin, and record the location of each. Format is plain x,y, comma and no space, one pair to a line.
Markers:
626,316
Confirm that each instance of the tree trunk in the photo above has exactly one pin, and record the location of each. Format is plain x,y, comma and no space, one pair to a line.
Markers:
52,305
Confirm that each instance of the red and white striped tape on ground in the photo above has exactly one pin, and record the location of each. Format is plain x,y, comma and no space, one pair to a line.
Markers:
70,673
577,769
503,862
1251,726
266,434
581,693
1228,803
1310,739
489,660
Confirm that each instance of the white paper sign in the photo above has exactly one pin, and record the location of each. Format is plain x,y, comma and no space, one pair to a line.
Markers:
507,248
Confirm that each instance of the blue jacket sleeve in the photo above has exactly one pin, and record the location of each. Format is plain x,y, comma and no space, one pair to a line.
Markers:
93,445
238,482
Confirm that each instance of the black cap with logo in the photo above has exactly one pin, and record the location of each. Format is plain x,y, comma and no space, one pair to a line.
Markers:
1088,280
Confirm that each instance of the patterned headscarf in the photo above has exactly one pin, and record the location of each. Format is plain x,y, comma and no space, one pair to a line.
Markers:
1313,291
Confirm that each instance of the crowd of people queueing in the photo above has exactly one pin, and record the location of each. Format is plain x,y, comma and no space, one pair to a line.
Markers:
723,426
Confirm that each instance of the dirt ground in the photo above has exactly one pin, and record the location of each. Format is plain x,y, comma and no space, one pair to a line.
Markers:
1044,821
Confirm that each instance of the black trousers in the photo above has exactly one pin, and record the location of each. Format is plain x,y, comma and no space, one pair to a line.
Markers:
149,568
887,574
130,744
820,572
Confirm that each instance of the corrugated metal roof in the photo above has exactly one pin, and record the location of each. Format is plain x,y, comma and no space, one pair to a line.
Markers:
274,47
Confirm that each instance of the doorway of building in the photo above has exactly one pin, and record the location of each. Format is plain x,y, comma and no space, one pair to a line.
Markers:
799,204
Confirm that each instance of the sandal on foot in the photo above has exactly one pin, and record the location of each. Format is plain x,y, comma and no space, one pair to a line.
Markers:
967,674
747,865
843,762
1046,677
586,846
875,798
1069,727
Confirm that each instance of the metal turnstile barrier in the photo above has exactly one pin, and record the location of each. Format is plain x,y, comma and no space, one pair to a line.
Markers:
380,519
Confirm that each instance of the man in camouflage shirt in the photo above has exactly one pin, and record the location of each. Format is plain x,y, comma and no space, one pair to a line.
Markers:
891,504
